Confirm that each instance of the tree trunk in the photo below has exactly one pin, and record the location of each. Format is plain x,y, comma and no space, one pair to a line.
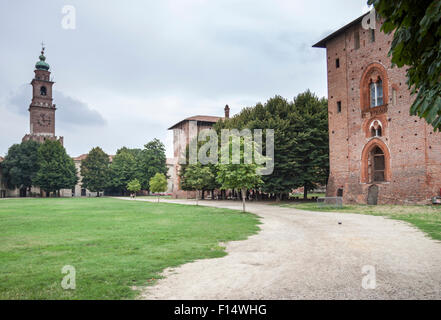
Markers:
158,198
244,191
305,193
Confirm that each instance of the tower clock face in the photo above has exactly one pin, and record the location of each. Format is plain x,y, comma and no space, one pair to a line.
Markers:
44,120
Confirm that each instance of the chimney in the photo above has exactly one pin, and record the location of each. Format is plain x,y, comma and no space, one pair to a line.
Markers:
227,112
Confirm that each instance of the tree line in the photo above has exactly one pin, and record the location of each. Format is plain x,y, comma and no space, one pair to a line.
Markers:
301,151
49,167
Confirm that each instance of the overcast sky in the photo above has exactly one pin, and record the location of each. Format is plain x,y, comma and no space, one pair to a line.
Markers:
131,69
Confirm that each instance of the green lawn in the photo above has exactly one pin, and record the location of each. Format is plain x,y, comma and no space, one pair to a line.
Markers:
113,244
427,218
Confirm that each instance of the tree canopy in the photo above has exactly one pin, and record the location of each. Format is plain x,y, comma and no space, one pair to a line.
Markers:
417,46
134,186
150,161
56,169
197,177
20,165
95,170
301,146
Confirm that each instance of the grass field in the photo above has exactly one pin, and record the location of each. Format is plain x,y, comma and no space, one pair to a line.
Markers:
113,244
427,218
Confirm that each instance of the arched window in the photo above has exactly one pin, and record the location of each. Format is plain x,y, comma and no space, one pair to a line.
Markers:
376,129
43,91
376,93
377,165
374,89
375,162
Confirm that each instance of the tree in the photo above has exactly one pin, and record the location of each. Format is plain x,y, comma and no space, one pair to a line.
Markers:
95,170
242,176
150,161
416,45
158,183
311,147
20,165
134,186
56,169
211,184
197,177
122,170
301,143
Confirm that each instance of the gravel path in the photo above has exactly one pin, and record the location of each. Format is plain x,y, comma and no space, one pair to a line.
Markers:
308,255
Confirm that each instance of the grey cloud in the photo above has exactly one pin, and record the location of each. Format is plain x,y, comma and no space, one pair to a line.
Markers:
70,111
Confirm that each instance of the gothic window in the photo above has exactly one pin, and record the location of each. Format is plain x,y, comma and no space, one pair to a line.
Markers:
376,93
374,89
43,91
376,129
375,162
377,165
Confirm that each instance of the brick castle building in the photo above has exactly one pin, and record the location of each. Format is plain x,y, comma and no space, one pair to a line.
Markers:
378,152
183,132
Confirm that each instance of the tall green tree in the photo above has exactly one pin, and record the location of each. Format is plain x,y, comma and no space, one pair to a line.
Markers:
417,46
95,170
196,177
122,170
20,165
150,161
158,183
311,147
56,169
242,176
211,184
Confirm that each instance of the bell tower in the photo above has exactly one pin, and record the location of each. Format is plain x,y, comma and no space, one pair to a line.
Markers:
42,109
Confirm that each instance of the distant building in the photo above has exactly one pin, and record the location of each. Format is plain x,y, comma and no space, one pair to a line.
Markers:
378,153
182,135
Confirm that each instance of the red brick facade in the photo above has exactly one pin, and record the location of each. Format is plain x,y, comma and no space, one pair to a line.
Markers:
375,145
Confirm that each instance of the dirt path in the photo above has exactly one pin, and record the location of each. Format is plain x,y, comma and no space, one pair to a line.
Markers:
309,255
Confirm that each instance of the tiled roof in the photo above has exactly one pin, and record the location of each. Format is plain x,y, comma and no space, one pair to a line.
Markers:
211,119
80,158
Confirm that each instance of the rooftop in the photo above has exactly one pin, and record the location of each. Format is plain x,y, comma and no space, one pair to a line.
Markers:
322,43
210,119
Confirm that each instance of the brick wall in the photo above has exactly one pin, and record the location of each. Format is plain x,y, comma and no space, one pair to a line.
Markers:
414,149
